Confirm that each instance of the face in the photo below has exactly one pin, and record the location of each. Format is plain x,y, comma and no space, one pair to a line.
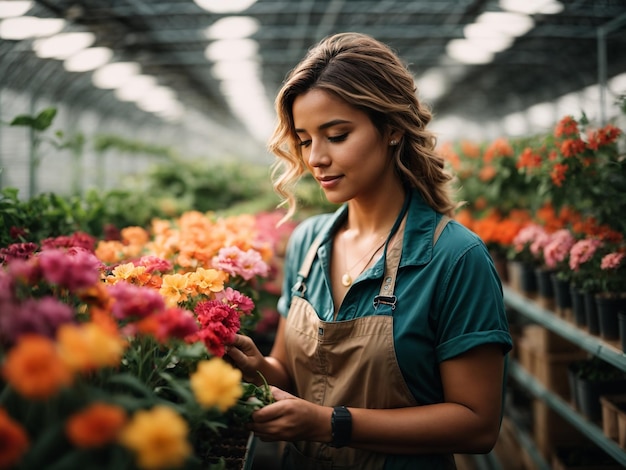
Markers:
340,146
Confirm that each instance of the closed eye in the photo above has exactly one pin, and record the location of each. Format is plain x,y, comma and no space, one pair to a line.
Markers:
338,138
304,143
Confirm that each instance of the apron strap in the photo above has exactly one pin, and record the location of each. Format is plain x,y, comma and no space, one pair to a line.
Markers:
392,262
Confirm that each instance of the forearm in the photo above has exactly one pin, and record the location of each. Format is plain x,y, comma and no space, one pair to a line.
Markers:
275,373
441,428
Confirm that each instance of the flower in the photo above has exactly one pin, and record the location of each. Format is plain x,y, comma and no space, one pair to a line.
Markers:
119,344
14,441
97,425
583,258
158,437
613,273
216,383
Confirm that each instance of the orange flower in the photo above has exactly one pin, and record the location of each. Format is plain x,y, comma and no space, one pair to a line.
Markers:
465,218
566,126
447,152
571,147
13,440
528,159
470,149
206,281
96,425
557,175
498,148
487,173
34,368
134,236
89,346
109,251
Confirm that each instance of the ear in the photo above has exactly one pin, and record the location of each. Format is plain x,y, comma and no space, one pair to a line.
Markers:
395,137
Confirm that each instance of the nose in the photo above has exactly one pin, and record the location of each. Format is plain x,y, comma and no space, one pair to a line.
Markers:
317,154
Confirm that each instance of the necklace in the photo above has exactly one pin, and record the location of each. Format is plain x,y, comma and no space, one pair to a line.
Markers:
346,279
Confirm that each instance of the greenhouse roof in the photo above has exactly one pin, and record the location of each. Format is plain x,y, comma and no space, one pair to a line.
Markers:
562,47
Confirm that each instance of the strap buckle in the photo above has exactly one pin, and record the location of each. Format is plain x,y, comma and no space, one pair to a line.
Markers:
385,299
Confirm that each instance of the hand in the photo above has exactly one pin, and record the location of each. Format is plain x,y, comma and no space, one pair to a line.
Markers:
291,418
247,357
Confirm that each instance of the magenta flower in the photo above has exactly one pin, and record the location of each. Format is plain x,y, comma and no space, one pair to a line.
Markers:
40,316
132,301
236,262
17,251
236,299
74,269
77,239
219,323
175,323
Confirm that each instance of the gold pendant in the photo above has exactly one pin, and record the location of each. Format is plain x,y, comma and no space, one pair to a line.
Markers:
346,280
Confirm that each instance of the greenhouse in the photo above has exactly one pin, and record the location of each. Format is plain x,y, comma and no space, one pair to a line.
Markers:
267,234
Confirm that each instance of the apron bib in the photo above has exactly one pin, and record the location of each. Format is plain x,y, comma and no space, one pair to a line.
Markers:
351,363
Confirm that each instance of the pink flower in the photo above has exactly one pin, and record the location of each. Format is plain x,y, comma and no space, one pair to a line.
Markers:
236,299
527,235
17,251
219,323
77,239
582,251
237,262
612,261
558,247
132,301
154,263
75,269
174,322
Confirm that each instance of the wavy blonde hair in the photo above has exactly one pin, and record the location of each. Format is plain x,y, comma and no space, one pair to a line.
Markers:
368,75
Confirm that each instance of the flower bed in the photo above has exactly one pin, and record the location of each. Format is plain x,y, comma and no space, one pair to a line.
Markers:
111,350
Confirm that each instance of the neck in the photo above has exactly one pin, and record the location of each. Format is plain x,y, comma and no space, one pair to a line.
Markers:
375,215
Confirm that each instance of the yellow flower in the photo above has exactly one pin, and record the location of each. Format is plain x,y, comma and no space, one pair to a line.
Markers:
89,346
207,280
174,288
216,383
130,273
158,437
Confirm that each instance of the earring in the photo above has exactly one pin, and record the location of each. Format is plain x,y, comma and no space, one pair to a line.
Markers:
393,142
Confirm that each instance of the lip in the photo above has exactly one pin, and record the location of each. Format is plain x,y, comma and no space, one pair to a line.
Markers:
327,182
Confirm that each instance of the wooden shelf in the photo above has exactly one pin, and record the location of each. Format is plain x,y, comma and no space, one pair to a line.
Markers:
591,343
560,406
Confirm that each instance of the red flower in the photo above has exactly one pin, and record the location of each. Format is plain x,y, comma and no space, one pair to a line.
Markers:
219,323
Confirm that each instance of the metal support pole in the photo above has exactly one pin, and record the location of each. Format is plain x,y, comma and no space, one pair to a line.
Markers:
602,33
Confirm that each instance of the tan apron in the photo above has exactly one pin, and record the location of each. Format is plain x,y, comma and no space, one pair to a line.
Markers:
351,363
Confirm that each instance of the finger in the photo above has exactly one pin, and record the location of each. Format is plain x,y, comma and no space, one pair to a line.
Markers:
280,394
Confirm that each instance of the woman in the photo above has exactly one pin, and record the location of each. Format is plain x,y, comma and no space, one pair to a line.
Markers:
392,345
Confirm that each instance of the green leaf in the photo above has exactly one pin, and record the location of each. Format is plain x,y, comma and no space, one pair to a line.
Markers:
44,119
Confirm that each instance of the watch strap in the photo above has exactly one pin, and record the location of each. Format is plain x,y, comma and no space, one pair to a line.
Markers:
341,425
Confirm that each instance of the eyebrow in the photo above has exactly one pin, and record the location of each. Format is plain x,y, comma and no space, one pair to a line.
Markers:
326,125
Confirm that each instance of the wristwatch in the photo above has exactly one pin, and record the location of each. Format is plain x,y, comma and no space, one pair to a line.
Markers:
341,425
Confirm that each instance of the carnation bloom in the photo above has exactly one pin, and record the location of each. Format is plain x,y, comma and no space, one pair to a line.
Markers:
76,269
582,251
219,323
132,301
216,384
171,323
13,440
557,249
236,299
174,288
154,263
17,251
96,425
89,346
39,316
237,262
158,437
33,368
207,281
612,261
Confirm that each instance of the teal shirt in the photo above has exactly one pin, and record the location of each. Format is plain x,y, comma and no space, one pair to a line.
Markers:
449,297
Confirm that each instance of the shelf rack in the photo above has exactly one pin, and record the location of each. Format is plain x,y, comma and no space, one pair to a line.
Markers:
592,344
